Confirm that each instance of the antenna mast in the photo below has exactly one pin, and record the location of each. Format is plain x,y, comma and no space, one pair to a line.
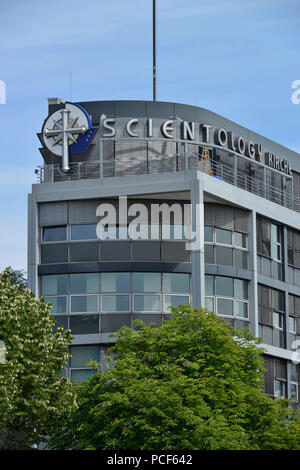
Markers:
71,86
154,50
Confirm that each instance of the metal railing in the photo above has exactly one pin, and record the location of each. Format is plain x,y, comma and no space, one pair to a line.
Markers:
170,163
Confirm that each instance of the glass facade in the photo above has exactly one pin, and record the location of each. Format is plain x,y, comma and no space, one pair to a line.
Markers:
225,247
227,297
103,302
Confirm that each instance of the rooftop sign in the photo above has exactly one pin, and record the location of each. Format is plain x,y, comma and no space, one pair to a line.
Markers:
176,129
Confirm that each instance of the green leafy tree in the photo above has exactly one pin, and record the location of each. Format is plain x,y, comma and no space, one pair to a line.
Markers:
192,383
33,395
18,276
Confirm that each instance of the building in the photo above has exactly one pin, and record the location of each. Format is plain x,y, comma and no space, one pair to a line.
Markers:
244,191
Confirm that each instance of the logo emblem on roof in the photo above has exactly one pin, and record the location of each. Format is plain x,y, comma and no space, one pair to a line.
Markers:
66,131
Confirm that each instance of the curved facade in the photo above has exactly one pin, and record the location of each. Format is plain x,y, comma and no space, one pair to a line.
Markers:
239,190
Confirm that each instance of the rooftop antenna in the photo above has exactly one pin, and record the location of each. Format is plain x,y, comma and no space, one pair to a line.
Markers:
154,50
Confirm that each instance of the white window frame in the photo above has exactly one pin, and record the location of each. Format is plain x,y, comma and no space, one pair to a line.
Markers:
297,390
167,310
67,303
232,245
42,242
116,294
273,242
294,321
240,247
146,293
83,295
284,387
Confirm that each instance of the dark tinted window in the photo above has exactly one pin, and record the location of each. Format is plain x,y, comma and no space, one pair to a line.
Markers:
84,251
113,322
84,324
55,234
54,253
61,321
83,232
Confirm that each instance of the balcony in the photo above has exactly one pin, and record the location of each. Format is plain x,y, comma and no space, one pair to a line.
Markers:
253,178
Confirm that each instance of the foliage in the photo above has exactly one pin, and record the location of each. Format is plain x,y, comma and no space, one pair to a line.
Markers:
17,276
192,383
33,396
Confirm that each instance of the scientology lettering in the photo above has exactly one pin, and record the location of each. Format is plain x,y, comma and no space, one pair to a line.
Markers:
191,131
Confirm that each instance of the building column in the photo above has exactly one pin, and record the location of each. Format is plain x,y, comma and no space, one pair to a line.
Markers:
197,247
32,244
253,287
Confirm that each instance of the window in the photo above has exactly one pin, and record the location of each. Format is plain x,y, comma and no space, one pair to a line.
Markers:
278,320
120,292
209,304
114,232
83,232
292,324
294,391
268,239
175,300
240,289
279,388
81,356
223,237
225,247
208,234
84,303
173,282
115,282
146,282
293,248
294,372
294,315
240,240
225,307
224,255
61,321
241,309
80,375
84,324
226,296
55,234
84,283
209,285
55,284
174,232
224,286
115,303
147,303
59,304
294,381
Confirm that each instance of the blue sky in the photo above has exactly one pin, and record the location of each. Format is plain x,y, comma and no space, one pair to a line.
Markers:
236,58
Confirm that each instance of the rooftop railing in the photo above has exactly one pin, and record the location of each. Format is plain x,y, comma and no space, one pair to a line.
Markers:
256,184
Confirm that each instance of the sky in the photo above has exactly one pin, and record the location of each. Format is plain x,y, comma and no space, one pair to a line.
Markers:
236,58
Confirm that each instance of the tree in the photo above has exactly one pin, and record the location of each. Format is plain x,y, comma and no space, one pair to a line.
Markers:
17,276
192,383
33,395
